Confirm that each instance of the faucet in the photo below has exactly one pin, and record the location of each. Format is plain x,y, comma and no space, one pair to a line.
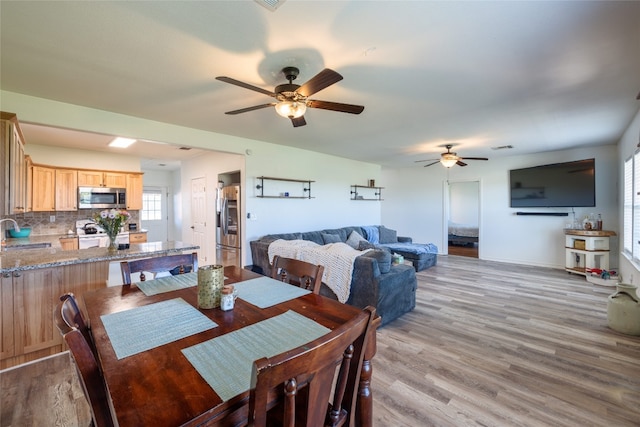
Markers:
15,224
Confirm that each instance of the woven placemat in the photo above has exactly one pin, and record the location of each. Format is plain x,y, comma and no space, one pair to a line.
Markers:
143,328
225,362
168,283
264,291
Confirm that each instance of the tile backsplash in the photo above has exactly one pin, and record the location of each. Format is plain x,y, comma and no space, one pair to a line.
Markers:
40,222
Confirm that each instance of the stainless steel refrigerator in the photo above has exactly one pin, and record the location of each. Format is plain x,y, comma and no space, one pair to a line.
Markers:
229,236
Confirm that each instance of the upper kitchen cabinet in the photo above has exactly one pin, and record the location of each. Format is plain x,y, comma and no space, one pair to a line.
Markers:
66,190
13,198
87,178
134,191
43,189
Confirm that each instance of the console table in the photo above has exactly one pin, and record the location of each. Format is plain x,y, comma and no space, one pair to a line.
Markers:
586,249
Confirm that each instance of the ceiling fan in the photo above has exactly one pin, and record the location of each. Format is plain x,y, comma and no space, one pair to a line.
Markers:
293,99
449,159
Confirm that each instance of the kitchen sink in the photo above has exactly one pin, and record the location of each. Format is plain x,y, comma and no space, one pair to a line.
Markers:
28,246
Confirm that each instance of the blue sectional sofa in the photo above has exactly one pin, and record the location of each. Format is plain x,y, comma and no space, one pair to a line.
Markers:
375,281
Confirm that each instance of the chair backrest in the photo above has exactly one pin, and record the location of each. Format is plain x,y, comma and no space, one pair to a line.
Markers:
304,378
301,273
157,265
72,316
85,362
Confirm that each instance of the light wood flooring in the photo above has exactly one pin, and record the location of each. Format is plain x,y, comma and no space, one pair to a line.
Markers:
467,250
489,344
495,344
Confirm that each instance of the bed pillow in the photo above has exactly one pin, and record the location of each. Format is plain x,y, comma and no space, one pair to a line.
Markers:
354,239
388,235
330,238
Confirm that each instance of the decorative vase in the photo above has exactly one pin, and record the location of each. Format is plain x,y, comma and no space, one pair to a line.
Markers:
623,310
210,283
113,246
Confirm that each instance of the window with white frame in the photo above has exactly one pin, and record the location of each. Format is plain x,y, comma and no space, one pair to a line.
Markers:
631,213
151,205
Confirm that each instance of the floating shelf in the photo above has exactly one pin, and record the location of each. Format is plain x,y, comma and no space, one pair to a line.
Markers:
295,192
358,192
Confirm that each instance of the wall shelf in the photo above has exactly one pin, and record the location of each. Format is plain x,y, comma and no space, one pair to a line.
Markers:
284,188
365,192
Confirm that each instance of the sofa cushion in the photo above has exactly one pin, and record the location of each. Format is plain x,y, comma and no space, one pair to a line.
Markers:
383,257
283,236
363,245
313,236
330,238
388,235
354,240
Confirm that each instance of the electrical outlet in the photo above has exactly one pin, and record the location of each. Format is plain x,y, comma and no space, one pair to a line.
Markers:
52,218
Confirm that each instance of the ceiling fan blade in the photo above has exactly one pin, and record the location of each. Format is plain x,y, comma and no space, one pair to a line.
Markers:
244,110
437,161
461,163
427,160
474,158
299,121
245,85
323,79
335,106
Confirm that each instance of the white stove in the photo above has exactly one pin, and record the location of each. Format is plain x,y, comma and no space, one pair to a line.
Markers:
98,239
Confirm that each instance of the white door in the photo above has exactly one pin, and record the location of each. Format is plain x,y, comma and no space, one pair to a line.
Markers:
199,218
154,215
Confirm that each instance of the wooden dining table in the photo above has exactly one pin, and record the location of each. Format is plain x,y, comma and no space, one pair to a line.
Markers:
161,387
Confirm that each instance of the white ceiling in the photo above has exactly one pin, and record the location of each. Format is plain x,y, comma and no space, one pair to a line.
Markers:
539,76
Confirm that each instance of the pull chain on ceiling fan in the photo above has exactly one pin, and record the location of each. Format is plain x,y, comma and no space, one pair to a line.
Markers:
292,99
449,159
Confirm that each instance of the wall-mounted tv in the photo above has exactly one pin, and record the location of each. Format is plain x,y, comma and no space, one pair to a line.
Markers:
569,184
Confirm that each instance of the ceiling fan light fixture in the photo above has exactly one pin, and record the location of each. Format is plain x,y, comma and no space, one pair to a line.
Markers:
291,109
448,160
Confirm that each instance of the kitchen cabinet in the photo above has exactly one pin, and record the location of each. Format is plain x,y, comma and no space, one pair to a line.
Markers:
69,243
28,299
66,190
134,191
137,237
89,178
14,175
43,189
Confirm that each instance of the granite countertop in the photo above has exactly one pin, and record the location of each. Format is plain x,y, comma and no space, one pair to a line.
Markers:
31,259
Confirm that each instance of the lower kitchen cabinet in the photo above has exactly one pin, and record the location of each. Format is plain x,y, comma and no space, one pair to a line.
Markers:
28,300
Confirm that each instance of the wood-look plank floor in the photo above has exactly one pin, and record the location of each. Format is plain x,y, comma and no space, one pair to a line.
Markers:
496,344
489,344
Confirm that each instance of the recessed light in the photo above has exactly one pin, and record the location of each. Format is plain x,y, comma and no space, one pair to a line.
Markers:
120,142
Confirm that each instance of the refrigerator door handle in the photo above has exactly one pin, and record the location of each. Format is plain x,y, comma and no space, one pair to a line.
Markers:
224,217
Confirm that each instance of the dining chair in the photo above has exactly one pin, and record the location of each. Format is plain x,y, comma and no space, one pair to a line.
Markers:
85,361
72,315
301,273
304,379
176,263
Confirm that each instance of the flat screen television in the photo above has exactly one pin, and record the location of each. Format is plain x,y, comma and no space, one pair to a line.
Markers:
569,184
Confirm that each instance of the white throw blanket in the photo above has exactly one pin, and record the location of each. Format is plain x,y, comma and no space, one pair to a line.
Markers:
337,259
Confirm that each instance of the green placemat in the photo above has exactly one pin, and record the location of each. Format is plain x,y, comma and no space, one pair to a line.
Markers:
264,291
225,362
143,328
168,283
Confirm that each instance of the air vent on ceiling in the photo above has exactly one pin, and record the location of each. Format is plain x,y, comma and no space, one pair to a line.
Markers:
185,148
272,5
503,147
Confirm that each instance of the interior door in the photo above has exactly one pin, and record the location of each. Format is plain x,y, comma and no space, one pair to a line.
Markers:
199,217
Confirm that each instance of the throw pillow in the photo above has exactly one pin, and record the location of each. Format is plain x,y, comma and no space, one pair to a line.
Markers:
388,235
363,245
383,258
354,239
330,238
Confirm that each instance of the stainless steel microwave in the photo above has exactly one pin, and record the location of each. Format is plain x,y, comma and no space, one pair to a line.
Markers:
101,198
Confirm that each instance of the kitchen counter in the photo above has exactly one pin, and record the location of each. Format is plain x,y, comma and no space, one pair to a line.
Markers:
31,259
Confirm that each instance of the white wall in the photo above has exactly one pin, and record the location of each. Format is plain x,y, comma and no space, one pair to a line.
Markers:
628,145
532,240
72,158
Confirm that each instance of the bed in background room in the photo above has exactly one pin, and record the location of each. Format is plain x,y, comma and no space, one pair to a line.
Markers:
462,234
